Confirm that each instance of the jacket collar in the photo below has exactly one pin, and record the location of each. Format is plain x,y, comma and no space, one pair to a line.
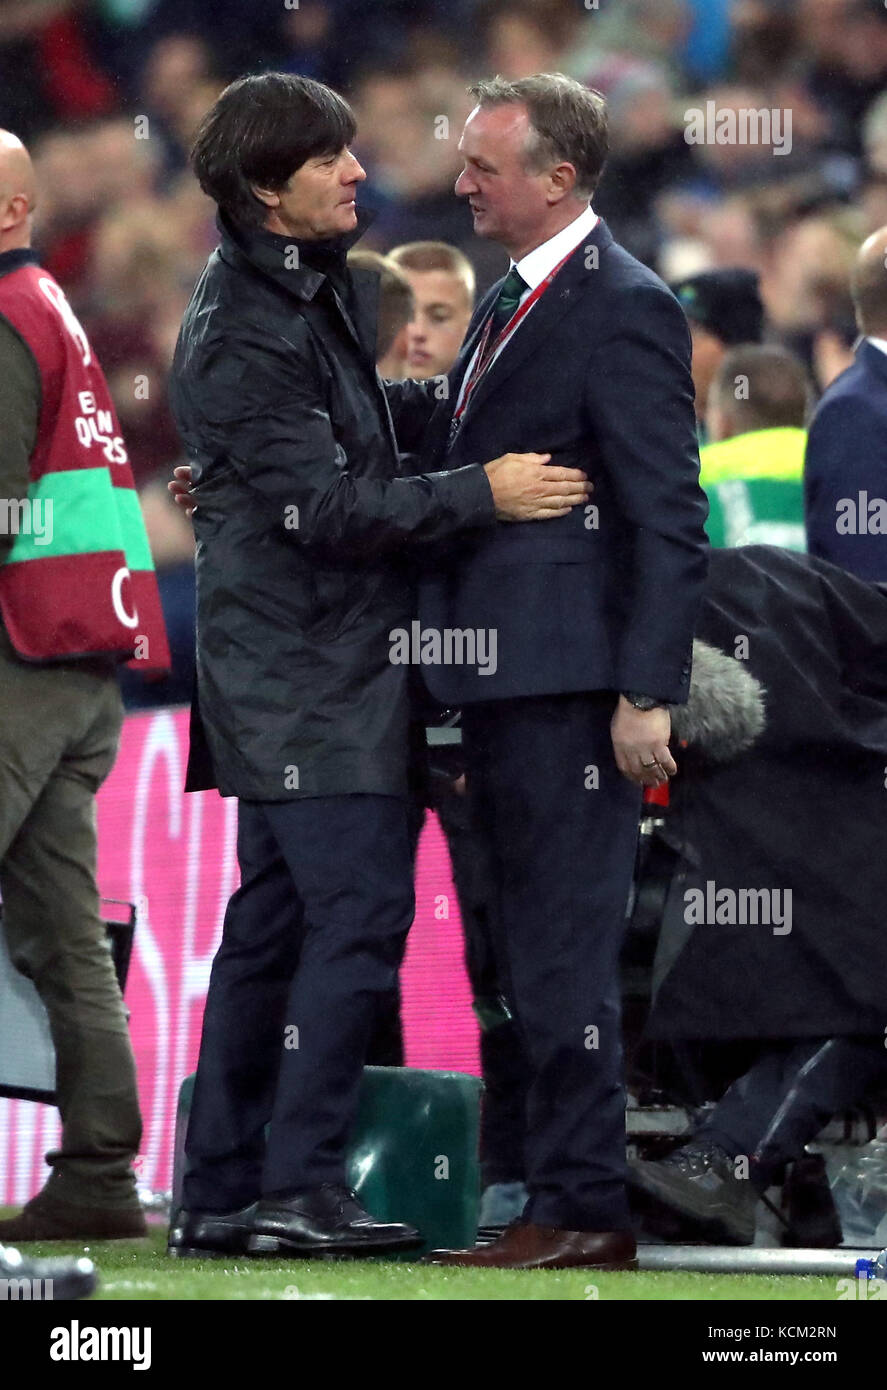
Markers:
301,274
14,260
872,358
574,280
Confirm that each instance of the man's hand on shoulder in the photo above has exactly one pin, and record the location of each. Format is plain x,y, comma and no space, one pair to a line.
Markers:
640,743
526,488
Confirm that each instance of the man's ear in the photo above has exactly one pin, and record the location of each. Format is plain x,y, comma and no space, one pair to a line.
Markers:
15,212
561,182
268,196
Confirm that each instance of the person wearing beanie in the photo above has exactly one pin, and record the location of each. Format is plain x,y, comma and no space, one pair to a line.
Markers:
724,310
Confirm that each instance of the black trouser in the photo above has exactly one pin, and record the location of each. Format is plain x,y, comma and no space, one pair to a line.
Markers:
783,1101
563,824
313,938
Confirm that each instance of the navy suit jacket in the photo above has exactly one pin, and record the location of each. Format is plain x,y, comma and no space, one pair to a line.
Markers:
598,375
846,455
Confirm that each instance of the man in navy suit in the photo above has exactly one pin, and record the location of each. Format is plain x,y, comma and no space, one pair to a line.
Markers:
845,468
582,635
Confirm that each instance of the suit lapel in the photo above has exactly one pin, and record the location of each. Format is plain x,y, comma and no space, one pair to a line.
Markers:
537,329
472,338
439,424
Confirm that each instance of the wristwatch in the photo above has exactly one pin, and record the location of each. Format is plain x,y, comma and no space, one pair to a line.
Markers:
642,702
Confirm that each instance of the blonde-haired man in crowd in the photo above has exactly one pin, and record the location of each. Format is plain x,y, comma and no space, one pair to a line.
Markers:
443,285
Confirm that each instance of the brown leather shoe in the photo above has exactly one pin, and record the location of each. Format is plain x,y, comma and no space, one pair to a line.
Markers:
525,1246
59,1221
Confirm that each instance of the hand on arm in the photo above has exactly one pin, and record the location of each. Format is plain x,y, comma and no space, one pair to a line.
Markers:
523,487
271,423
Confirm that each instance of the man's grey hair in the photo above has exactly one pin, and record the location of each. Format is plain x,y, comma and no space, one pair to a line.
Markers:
568,121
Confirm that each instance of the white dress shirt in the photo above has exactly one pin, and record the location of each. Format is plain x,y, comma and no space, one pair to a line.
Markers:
878,343
535,265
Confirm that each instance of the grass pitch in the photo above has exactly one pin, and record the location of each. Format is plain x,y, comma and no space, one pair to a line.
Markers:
141,1270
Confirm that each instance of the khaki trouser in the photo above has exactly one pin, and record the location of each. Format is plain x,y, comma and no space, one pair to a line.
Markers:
59,730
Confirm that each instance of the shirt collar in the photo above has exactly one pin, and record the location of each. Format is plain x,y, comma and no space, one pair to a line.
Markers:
878,343
15,259
534,267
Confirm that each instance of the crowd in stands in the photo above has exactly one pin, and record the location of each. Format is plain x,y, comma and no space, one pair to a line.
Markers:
109,94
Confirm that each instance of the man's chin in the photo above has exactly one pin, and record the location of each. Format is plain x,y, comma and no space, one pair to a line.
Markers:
422,371
482,225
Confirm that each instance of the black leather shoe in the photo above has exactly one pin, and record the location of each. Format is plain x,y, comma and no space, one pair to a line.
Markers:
698,1181
326,1220
209,1234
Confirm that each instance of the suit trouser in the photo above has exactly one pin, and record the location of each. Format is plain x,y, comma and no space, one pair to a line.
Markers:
783,1101
59,731
503,1061
312,942
563,824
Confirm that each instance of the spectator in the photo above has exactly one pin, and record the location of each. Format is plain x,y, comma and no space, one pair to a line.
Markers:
753,467
177,87
395,312
724,309
844,47
442,281
845,475
526,36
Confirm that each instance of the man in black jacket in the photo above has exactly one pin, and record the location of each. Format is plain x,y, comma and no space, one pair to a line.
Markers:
584,348
301,711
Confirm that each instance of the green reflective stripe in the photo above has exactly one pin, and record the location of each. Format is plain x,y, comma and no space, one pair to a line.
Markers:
76,512
132,524
755,511
68,513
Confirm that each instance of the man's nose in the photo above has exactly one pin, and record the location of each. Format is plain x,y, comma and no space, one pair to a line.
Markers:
465,185
354,171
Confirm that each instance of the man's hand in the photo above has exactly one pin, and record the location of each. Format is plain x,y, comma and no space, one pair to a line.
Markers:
180,487
640,743
526,487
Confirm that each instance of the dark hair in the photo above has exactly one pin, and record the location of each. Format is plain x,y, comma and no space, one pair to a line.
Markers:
260,131
567,120
396,300
779,393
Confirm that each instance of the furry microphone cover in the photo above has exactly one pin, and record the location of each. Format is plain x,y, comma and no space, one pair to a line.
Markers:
724,714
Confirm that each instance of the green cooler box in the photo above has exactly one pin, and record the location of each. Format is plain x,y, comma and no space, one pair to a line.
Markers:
413,1155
